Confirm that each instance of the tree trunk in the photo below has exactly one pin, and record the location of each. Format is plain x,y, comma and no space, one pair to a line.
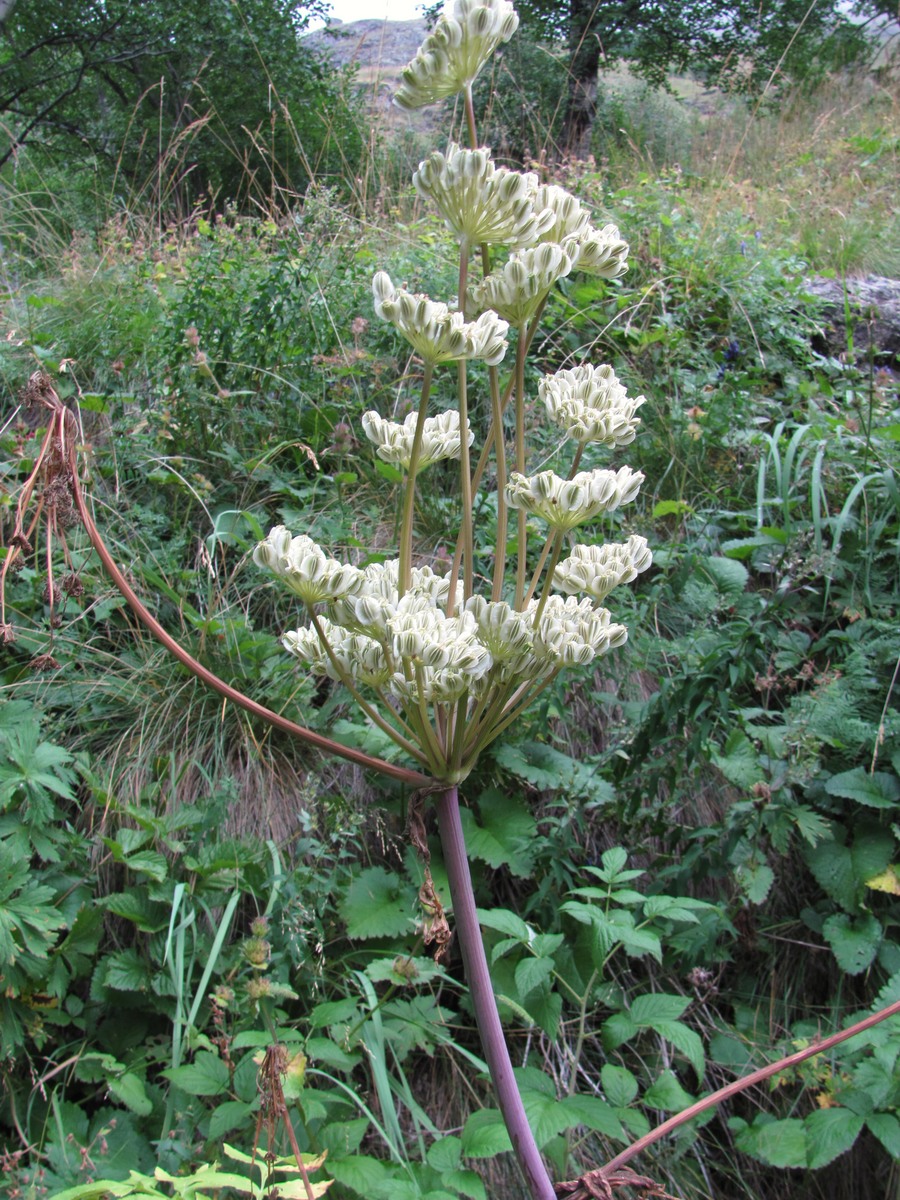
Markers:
584,63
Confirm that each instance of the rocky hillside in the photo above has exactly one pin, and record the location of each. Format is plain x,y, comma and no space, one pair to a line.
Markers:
370,43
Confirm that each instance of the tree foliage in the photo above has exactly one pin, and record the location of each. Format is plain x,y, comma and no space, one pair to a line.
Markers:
211,95
743,46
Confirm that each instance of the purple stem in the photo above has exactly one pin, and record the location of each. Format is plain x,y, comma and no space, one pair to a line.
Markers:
482,992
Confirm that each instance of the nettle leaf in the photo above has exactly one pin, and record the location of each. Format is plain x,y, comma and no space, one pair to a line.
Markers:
830,1133
505,835
854,941
832,867
378,903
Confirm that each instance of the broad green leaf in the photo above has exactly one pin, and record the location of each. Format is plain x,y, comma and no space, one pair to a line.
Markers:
778,1143
130,1090
505,834
617,1029
232,1114
878,790
739,761
444,1155
207,1075
593,1113
484,1134
829,1133
619,1085
756,879
532,973
504,921
667,1094
684,1039
657,1006
886,1128
378,904
854,941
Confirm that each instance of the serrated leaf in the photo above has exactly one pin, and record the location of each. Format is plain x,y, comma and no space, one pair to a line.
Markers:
504,836
886,1128
378,904
830,1132
854,941
207,1075
617,1029
444,1154
756,880
484,1134
878,790
832,867
593,1113
619,1085
667,1094
684,1039
739,761
232,1114
130,1090
504,921
657,1006
531,973
778,1143
887,881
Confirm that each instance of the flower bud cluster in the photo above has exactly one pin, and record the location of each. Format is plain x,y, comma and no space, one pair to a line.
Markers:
516,290
591,405
573,633
482,203
394,443
305,567
436,333
596,570
453,54
565,503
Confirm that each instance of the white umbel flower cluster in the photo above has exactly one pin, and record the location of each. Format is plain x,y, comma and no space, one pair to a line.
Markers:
516,290
482,203
573,633
394,442
455,51
591,405
305,567
437,334
565,503
595,570
602,252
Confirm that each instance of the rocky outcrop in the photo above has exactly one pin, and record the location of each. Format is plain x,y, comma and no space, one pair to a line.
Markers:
874,312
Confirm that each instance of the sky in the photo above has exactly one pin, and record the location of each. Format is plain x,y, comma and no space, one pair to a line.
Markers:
391,10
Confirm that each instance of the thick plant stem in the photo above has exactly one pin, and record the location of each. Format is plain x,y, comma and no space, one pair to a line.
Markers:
479,980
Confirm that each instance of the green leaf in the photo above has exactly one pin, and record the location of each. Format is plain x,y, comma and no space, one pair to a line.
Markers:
617,1029
756,880
130,1090
619,1085
532,973
505,836
667,1094
207,1075
230,1115
854,941
652,1007
878,790
684,1039
739,761
886,1128
830,1132
484,1134
593,1113
505,921
778,1143
444,1155
378,904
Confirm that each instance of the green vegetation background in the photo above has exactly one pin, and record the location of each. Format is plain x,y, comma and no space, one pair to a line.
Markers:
688,860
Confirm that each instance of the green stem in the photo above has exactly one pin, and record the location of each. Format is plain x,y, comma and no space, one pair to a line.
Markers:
409,496
522,548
